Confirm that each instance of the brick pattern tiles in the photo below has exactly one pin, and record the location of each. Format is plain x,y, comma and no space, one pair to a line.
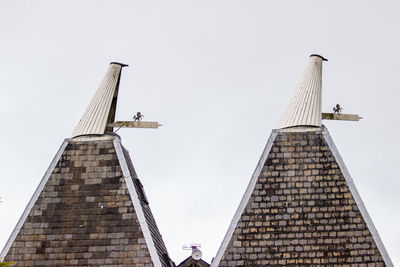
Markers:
84,215
301,212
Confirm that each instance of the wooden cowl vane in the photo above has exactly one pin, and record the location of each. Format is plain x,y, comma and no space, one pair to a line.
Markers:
101,109
304,108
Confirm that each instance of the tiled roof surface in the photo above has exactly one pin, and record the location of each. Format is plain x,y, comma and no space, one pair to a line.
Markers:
300,210
85,215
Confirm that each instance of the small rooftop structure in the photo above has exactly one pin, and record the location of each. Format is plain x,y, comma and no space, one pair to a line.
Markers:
305,106
101,109
99,117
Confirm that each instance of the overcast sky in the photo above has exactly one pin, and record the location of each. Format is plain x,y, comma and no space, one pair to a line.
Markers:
218,75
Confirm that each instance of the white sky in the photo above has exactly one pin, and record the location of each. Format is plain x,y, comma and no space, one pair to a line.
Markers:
218,75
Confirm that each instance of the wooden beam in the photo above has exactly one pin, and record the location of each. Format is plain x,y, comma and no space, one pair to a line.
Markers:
341,117
134,124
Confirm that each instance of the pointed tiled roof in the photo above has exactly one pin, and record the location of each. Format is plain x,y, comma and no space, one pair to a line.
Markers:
301,206
90,208
101,109
305,106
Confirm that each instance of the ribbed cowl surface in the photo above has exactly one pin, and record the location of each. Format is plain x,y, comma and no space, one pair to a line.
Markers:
95,118
305,106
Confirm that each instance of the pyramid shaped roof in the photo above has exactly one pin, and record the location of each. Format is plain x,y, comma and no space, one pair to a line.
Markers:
90,208
301,206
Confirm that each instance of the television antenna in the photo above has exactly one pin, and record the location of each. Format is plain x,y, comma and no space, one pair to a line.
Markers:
196,252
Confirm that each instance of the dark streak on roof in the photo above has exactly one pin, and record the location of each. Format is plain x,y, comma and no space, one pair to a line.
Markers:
155,233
